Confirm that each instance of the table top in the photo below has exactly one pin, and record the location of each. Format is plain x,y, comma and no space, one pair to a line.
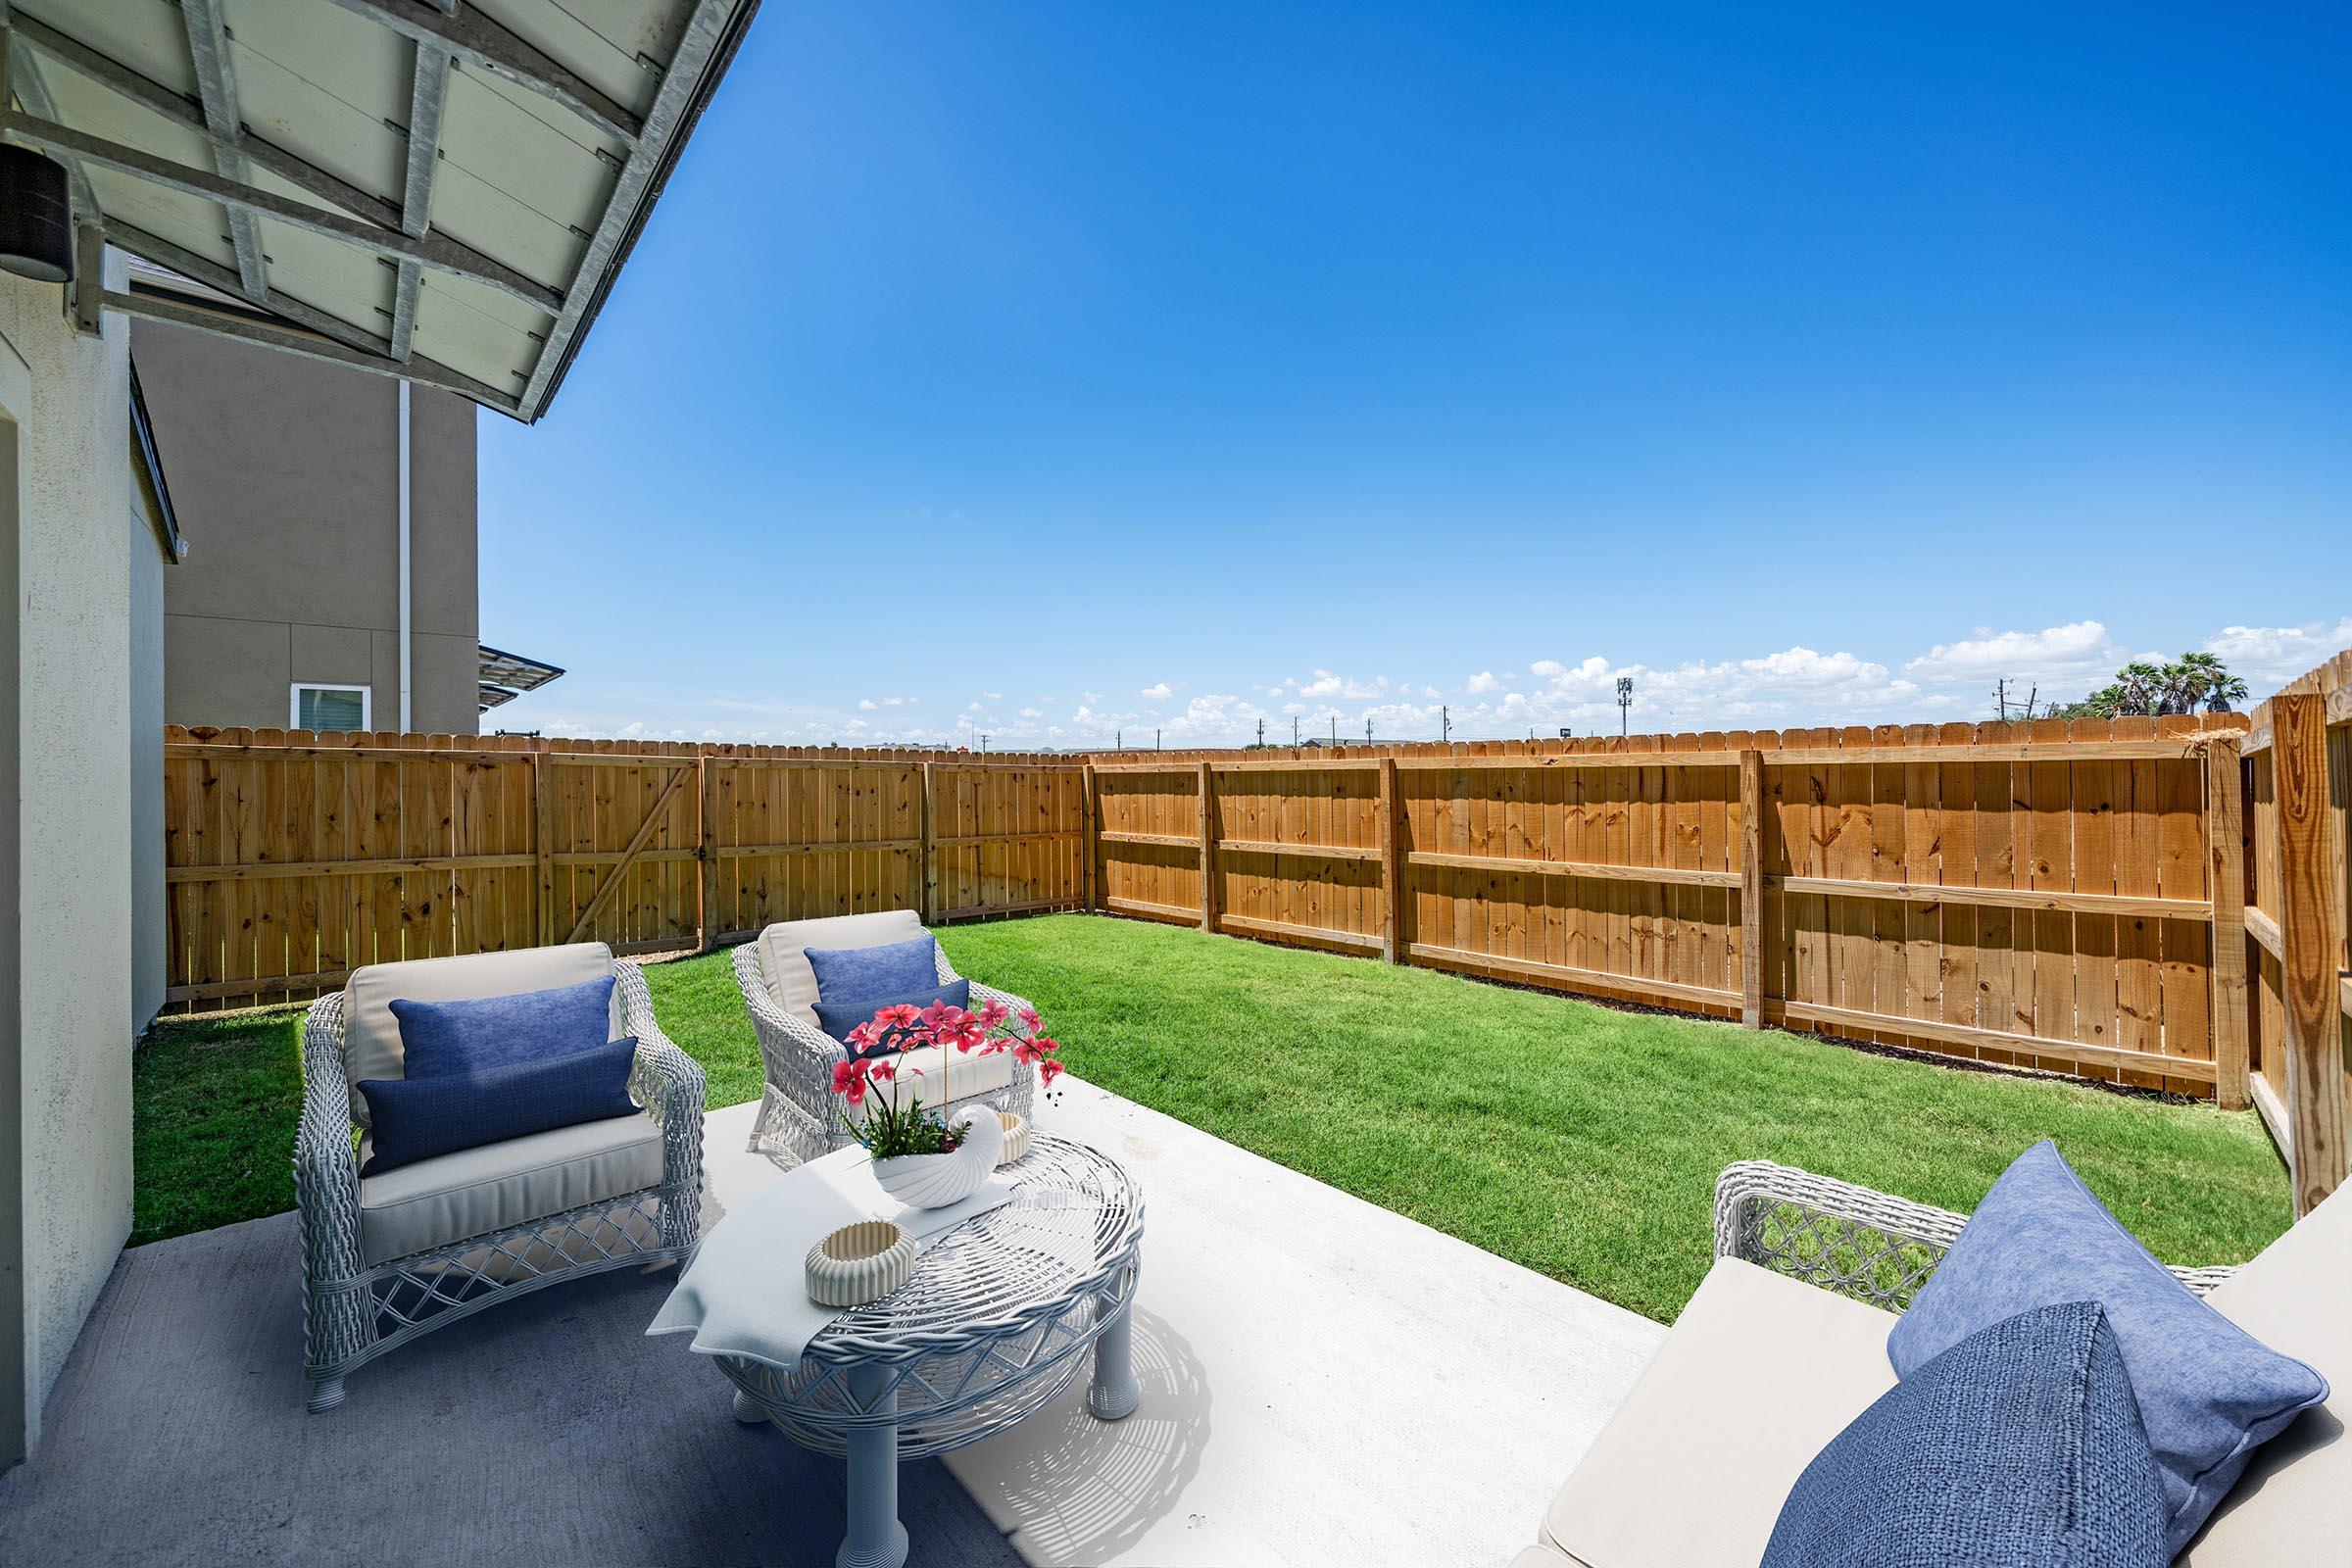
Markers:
1076,1217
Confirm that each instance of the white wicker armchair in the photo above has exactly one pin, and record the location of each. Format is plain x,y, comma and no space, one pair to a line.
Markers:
356,1308
799,1117
1853,1240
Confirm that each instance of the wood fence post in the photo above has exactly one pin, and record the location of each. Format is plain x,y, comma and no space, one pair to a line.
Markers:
1209,848
706,849
2311,911
926,856
1752,887
1089,834
1394,940
543,845
2226,882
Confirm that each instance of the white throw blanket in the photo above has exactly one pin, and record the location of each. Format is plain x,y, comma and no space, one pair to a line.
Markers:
747,1291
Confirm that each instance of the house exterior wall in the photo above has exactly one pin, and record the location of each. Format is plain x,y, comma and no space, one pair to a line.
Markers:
290,494
146,846
64,1069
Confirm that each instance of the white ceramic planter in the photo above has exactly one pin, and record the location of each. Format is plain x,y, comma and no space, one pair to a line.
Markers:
1016,1136
934,1181
859,1263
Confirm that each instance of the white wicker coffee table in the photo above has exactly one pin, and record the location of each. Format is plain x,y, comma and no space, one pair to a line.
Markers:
995,1323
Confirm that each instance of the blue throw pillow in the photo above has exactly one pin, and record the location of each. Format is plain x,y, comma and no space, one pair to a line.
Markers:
417,1118
838,1018
861,974
2020,1445
438,1038
2209,1392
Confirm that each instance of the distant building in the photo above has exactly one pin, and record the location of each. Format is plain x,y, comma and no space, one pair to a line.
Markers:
287,608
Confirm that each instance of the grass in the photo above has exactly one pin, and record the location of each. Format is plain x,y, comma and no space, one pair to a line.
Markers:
1578,1140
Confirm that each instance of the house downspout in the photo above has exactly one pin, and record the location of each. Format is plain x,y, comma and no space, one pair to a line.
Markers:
407,656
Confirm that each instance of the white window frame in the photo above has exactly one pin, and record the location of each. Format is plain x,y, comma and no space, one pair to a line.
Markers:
367,700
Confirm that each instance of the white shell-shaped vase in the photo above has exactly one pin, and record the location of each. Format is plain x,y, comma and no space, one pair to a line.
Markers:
934,1181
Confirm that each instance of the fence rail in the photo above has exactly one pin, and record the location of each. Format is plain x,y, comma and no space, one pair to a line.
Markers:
2156,901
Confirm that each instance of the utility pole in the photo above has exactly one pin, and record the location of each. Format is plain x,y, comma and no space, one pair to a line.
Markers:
1293,732
1445,725
1367,731
1334,729
984,740
1624,704
1118,740
1262,732
1155,739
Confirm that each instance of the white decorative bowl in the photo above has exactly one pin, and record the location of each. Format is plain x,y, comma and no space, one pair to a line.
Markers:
1016,1136
934,1181
859,1263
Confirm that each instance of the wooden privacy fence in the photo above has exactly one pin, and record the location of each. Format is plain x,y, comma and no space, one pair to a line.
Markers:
292,857
2157,902
2298,904
2036,895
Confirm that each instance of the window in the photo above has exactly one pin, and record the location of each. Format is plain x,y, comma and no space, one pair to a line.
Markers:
329,706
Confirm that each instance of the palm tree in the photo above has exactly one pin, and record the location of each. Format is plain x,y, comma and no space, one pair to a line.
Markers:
2139,688
2225,690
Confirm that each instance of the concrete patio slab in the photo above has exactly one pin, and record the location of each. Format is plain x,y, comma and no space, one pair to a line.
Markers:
1324,1382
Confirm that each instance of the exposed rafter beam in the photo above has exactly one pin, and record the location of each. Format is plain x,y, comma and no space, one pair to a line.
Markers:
427,90
292,340
187,113
204,269
216,85
431,251
704,32
23,72
481,42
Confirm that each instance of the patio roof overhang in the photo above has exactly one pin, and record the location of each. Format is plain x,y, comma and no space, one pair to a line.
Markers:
434,189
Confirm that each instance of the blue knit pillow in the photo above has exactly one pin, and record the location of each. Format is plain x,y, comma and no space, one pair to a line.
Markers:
2209,1392
437,1038
868,974
418,1118
2020,1445
838,1018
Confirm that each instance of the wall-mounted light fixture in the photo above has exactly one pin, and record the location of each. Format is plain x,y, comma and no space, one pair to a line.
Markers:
36,216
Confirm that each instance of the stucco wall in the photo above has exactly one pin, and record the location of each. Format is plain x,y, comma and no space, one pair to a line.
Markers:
289,495
146,846
72,751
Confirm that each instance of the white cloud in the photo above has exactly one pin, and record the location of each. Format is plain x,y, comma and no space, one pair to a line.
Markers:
971,707
1090,697
868,704
994,696
1157,692
2269,657
1328,685
2076,649
1483,681
1032,713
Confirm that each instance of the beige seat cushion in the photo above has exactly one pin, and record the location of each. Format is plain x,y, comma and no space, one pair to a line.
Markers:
1760,1371
371,1035
960,1079
475,1191
784,960
2294,1503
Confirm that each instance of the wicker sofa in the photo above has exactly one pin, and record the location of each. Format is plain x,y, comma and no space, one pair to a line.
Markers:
391,1257
799,1115
1785,1342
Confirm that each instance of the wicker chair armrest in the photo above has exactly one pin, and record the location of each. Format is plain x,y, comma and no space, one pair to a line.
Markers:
792,1048
1847,1238
667,1083
327,1164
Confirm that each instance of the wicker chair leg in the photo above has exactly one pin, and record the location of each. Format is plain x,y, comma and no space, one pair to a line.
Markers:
325,1393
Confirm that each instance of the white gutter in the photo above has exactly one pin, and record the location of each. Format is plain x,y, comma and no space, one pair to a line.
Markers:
407,657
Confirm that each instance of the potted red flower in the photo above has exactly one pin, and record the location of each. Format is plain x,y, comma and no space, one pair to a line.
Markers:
921,1157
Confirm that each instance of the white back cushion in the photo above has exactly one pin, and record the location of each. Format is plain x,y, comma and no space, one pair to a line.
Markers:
371,1035
784,960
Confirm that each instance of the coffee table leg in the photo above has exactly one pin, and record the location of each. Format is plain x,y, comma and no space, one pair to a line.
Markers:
748,1410
1114,1393
875,1538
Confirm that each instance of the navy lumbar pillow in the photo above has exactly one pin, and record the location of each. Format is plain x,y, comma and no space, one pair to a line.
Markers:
418,1118
863,974
438,1038
2209,1392
2020,1445
838,1018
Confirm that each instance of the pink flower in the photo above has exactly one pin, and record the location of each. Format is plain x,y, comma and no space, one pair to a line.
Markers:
903,1016
1027,1053
884,1070
860,1038
993,1013
1047,1070
849,1079
1029,1020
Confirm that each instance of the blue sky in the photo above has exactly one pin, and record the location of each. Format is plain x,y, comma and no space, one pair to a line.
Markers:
1046,371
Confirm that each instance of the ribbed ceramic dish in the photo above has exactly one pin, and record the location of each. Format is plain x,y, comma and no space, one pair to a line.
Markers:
1016,1136
859,1263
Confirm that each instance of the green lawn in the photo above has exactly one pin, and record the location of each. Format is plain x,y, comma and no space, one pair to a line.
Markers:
1579,1139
